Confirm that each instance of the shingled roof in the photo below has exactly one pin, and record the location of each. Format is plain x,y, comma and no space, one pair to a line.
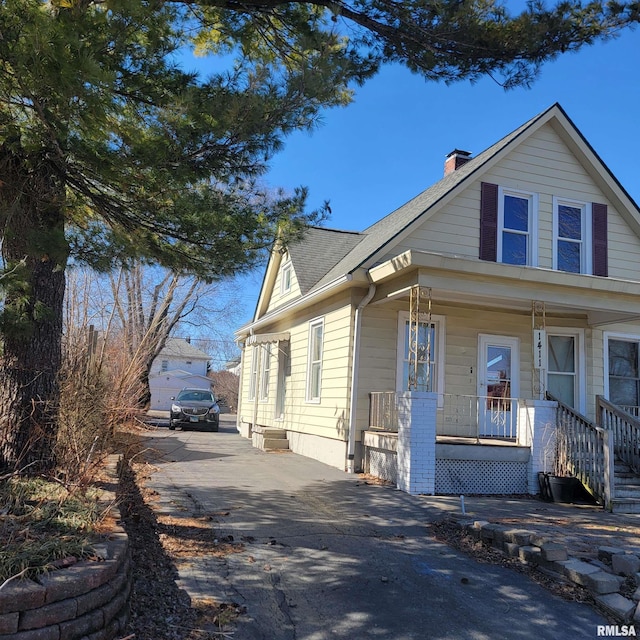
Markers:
318,252
379,235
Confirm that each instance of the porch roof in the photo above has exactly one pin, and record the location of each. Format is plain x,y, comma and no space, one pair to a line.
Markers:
455,279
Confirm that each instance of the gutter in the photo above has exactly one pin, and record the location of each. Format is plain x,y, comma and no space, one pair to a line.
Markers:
355,365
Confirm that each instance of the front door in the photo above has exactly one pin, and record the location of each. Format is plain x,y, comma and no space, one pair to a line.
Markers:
498,381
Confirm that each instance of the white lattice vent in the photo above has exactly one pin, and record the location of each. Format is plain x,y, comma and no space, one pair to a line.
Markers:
382,464
481,476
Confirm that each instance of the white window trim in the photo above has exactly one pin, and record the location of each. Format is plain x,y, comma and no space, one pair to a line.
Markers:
265,371
253,377
286,268
308,397
439,321
532,246
586,255
606,336
581,364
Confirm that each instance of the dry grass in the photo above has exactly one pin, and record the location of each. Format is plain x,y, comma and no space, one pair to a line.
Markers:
44,526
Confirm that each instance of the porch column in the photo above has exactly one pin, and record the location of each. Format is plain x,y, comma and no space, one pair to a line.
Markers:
417,442
536,430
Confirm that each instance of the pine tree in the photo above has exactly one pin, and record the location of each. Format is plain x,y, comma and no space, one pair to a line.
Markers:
109,149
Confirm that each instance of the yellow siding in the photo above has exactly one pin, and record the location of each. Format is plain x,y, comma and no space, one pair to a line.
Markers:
378,356
328,417
278,298
542,165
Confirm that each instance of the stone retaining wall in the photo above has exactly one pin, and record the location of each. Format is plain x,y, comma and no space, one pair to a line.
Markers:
88,600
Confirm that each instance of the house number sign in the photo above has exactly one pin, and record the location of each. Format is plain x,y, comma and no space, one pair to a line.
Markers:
539,349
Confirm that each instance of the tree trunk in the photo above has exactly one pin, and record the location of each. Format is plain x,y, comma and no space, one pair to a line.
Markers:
35,251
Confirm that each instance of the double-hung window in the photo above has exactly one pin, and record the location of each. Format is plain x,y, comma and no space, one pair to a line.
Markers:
572,236
508,225
314,360
623,354
517,243
427,374
253,373
265,370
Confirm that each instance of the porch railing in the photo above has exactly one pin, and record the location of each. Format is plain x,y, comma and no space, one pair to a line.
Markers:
625,429
467,416
585,451
383,410
479,416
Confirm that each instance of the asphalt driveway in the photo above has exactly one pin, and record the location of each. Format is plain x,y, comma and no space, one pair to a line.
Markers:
328,556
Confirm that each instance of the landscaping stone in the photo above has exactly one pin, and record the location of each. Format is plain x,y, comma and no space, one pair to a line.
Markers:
603,582
577,570
618,605
636,615
606,553
553,551
520,537
530,554
512,549
625,564
636,595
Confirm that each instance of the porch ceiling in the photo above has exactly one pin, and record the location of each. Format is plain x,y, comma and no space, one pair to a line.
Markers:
471,282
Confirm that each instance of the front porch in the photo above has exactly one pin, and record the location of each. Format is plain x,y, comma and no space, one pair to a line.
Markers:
504,455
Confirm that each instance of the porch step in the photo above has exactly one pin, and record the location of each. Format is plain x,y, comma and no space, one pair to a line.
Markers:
626,505
275,439
627,489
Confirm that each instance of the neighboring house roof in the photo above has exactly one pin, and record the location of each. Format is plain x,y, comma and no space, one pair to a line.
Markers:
180,348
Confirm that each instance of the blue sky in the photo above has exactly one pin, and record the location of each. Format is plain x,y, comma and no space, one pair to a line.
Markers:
390,144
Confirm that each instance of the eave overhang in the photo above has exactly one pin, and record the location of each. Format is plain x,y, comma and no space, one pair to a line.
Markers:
459,279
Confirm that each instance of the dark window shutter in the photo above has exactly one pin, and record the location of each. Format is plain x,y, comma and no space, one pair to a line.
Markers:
599,236
489,222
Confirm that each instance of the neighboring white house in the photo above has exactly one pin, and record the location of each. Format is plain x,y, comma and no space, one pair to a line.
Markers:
179,365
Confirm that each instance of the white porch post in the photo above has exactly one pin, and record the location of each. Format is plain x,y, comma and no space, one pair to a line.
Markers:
536,430
417,442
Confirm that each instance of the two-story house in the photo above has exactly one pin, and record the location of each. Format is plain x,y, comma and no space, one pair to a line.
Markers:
438,346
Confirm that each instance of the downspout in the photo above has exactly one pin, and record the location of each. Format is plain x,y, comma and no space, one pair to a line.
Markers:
357,329
241,383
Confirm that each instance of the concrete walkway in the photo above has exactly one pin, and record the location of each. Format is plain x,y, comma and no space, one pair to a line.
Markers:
327,555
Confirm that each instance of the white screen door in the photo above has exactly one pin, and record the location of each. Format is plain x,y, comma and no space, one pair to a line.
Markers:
498,382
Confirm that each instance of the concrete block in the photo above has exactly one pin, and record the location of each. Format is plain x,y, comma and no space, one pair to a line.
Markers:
519,536
636,615
605,553
512,549
618,605
603,582
576,570
50,614
553,551
20,595
625,564
487,533
9,623
636,595
530,554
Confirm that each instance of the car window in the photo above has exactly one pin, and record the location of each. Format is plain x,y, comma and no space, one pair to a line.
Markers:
195,396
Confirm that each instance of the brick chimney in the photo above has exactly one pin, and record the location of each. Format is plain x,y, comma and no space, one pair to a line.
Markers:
455,160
